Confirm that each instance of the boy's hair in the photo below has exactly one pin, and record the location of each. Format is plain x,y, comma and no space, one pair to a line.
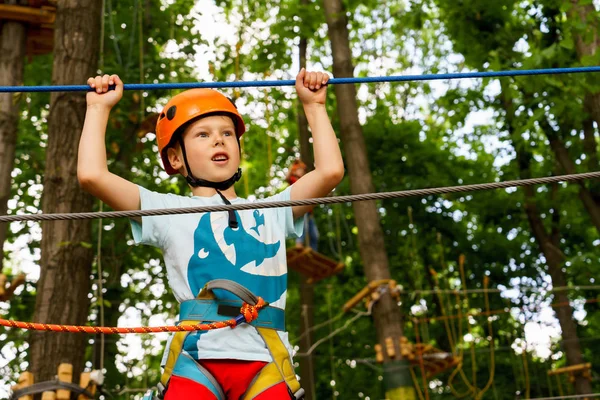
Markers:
181,130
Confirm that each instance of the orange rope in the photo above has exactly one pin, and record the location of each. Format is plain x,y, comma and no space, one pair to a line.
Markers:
248,312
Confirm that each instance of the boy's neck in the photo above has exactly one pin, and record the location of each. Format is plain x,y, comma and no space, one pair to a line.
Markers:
209,192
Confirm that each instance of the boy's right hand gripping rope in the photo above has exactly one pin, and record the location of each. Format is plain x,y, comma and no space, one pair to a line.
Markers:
248,313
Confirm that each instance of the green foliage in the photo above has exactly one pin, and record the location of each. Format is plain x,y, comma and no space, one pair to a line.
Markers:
418,135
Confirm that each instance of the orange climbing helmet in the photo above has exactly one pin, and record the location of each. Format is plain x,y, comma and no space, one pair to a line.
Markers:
186,107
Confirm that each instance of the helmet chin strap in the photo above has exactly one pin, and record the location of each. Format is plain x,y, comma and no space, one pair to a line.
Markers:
218,186
224,185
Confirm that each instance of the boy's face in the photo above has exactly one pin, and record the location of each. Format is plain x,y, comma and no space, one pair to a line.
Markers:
212,149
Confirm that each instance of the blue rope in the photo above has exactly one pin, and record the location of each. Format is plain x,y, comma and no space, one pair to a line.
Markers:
290,82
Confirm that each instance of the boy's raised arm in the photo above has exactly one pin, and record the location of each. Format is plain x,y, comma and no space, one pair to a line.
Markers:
329,166
92,169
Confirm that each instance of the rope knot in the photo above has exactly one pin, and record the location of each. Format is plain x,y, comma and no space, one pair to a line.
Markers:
250,312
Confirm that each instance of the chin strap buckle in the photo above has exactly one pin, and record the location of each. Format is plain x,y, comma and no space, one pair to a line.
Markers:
233,222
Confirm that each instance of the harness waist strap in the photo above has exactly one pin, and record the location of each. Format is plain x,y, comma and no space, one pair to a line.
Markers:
210,310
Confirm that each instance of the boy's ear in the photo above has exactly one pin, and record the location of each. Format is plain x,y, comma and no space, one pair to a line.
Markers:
175,158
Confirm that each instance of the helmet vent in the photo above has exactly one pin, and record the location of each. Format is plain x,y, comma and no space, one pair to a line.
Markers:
171,112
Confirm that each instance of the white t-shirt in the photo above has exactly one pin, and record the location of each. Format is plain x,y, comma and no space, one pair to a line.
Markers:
198,248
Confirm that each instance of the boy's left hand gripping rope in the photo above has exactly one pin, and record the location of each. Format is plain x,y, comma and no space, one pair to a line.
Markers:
248,313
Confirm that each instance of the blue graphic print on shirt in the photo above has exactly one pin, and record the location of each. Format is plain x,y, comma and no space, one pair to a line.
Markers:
209,262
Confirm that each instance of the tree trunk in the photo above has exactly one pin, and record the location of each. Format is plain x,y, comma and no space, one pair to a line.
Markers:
307,290
561,153
386,314
549,245
586,45
12,55
554,259
62,291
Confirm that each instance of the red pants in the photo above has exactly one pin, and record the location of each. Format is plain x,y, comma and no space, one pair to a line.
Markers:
234,376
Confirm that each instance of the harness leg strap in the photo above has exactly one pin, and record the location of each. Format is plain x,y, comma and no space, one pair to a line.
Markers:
268,377
279,370
174,352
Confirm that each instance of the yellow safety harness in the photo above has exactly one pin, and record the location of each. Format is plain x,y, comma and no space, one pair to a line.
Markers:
206,308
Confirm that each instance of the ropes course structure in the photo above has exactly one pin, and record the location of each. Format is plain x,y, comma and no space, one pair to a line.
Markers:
249,206
306,202
249,313
290,82
423,356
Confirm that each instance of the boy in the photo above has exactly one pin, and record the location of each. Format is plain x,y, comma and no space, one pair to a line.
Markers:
198,137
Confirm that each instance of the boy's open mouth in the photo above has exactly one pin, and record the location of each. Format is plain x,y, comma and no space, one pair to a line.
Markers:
220,158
